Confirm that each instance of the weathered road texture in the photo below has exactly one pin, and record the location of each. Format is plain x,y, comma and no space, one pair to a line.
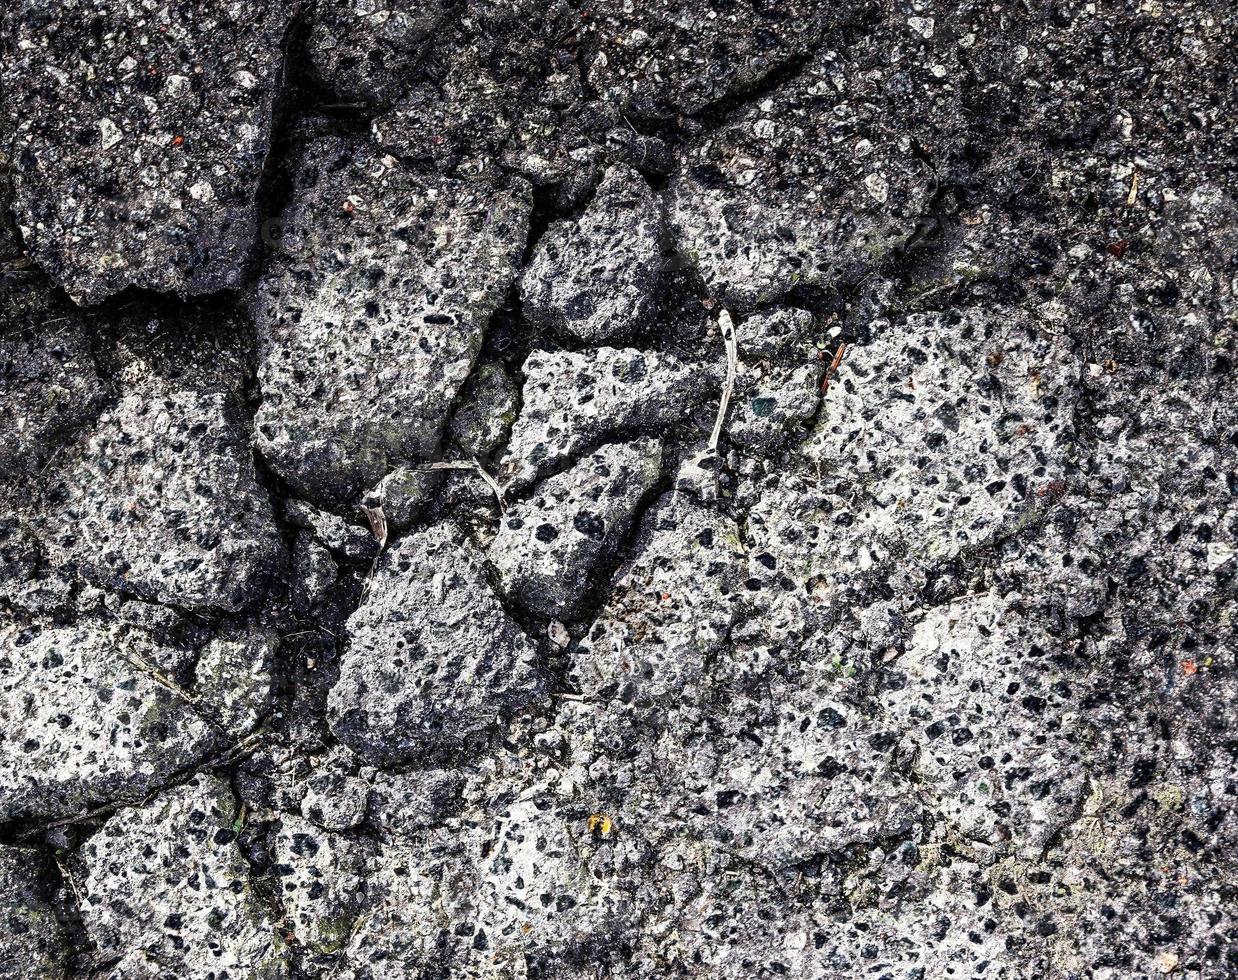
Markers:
383,598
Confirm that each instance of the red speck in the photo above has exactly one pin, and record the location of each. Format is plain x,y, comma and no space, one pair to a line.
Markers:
178,141
666,597
348,206
1054,489
1189,667
1118,249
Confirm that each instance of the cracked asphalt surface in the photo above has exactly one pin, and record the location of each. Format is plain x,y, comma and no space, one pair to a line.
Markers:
562,490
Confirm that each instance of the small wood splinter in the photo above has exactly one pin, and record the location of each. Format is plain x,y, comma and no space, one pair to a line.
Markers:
833,368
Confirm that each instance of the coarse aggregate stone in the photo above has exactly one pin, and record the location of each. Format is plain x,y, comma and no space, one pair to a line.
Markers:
814,184
671,489
362,49
778,386
344,539
322,885
159,497
51,385
10,239
665,58
87,718
671,607
504,86
404,493
572,402
488,405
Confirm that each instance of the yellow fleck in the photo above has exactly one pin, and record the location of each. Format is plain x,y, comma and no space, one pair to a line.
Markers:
601,823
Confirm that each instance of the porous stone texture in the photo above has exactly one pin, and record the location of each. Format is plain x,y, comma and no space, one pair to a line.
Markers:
322,886
233,678
166,891
550,549
572,402
27,583
817,182
488,406
982,696
364,49
403,493
497,88
404,804
335,800
49,385
140,138
160,499
1002,400
665,58
90,714
680,489
372,312
314,571
595,280
671,608
35,947
341,537
413,685
10,239
779,379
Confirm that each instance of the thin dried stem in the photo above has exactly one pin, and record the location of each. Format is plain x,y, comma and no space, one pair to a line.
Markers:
727,326
159,677
378,527
475,467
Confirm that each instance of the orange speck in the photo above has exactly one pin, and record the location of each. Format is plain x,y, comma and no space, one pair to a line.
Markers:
1189,667
178,141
